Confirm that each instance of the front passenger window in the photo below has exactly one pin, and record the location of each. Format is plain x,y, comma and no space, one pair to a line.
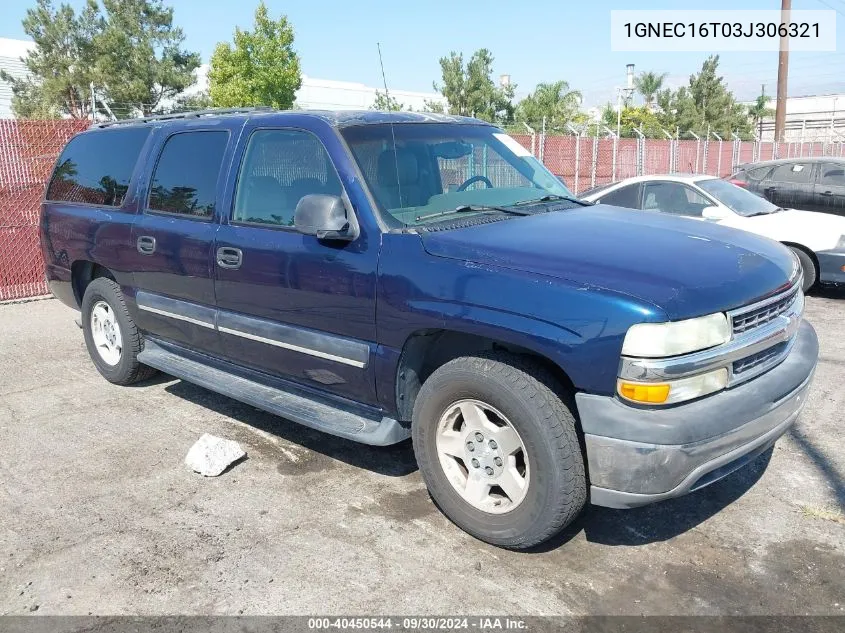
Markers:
278,169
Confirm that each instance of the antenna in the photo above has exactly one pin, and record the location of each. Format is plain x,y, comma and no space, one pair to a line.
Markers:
392,132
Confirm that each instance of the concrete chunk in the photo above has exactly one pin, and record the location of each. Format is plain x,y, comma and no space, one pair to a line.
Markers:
211,455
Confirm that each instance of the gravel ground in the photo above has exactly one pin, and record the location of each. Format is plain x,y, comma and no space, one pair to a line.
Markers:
98,513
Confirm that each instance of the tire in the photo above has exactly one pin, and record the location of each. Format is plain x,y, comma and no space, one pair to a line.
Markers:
808,267
122,368
526,397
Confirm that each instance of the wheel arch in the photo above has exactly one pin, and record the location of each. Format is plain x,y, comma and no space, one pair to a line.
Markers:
82,273
426,350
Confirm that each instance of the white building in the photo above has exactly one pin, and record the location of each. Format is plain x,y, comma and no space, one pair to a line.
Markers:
315,94
819,118
11,52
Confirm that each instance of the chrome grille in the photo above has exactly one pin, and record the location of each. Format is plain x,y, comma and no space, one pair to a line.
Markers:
760,358
756,317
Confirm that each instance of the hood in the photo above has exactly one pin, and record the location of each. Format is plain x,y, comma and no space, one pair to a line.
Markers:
686,268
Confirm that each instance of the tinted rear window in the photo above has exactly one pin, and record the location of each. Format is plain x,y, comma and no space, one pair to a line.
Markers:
628,196
185,178
95,167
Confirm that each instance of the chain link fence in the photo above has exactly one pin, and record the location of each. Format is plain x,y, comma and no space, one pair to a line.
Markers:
28,150
585,161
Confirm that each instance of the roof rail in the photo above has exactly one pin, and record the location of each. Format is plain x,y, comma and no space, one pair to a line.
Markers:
184,115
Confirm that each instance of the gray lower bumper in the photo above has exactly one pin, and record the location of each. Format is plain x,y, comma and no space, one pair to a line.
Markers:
638,456
831,265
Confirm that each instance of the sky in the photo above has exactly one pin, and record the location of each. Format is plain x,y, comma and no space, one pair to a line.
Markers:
533,41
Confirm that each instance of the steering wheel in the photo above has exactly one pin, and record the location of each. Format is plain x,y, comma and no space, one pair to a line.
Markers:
474,180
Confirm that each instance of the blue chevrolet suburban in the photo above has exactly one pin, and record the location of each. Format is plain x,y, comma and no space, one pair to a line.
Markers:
384,276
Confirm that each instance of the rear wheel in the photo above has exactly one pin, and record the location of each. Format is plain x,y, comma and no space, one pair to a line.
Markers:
498,449
808,267
112,339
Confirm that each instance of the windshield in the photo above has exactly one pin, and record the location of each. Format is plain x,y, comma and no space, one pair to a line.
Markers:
737,199
441,169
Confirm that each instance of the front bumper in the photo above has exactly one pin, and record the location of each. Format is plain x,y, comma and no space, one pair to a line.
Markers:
831,266
640,455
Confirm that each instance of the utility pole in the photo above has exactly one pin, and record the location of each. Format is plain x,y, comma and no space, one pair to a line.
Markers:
783,73
760,118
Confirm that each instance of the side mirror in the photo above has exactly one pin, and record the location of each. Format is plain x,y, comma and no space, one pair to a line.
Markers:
324,217
714,214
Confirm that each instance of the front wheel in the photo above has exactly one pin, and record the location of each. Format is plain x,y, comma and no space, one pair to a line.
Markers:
808,267
498,449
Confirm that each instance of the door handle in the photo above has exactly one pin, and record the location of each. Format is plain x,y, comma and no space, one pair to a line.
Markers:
146,245
228,257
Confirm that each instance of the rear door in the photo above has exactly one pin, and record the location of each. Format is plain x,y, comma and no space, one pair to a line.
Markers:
173,234
830,188
790,185
292,305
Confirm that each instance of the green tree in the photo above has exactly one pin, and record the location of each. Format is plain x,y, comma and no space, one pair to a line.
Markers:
639,117
554,101
704,105
140,56
648,84
385,102
261,68
470,90
760,110
61,66
192,103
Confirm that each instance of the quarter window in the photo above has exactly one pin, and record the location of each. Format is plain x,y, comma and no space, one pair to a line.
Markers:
185,178
793,172
279,168
95,167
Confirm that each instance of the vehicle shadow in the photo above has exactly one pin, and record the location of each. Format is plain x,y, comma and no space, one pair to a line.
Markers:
661,521
638,526
393,461
828,292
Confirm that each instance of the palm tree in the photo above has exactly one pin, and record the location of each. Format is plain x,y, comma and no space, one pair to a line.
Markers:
648,84
760,111
554,100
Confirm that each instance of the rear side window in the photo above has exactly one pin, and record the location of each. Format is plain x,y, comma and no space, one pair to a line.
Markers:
628,196
758,173
185,178
793,172
95,167
279,168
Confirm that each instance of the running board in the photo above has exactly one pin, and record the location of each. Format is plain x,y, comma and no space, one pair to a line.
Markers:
314,413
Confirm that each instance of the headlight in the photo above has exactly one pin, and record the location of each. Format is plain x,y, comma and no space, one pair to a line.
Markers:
673,390
658,340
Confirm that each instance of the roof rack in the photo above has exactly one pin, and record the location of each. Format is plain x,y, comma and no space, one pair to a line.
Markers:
184,115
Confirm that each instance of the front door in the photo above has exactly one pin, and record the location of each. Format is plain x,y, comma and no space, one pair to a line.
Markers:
291,305
174,236
830,188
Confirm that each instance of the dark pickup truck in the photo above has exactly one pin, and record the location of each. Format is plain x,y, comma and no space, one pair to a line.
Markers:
384,276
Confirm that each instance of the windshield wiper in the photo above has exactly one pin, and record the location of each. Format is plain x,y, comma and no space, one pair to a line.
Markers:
467,208
552,197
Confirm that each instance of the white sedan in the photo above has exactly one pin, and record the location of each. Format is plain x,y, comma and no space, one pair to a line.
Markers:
818,239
